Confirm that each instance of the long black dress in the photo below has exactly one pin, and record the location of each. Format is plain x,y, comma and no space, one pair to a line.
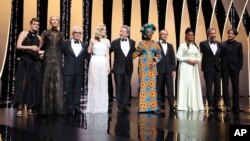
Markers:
52,89
28,74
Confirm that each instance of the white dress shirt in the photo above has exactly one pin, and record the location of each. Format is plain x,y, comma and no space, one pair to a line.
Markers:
213,47
77,47
164,46
125,47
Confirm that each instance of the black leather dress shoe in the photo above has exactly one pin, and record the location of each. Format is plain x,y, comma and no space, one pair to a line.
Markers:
120,110
125,110
210,108
217,109
228,109
73,112
76,112
237,110
172,109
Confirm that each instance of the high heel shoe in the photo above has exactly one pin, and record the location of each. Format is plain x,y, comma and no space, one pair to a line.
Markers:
30,112
19,113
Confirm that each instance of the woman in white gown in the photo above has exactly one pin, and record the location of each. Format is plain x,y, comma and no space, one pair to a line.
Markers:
99,69
189,95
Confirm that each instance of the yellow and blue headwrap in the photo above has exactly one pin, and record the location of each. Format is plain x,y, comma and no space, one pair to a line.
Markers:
146,27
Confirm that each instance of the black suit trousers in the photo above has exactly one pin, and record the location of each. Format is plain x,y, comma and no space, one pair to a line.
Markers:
72,85
166,78
122,126
234,76
123,89
210,79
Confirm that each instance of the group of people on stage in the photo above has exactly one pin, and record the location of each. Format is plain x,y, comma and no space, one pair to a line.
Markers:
218,60
41,77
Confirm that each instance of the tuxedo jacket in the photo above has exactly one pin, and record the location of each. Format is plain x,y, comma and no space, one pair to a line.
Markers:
232,56
73,65
210,62
168,62
122,63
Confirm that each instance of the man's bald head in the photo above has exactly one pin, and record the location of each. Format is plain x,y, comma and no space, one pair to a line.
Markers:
163,34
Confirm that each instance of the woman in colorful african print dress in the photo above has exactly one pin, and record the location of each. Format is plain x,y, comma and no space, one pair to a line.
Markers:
150,53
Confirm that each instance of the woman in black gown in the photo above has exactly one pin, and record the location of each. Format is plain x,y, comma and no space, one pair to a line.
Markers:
29,72
52,100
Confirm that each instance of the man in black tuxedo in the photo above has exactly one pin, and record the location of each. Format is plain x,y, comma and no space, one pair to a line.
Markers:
166,70
211,51
231,62
123,48
74,53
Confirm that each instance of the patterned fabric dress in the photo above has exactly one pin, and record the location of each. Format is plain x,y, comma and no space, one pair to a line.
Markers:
148,130
52,90
148,51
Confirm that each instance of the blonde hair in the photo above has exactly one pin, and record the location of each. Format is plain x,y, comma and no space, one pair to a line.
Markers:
50,19
97,34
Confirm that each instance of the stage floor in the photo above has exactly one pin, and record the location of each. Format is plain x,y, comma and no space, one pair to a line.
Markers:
114,126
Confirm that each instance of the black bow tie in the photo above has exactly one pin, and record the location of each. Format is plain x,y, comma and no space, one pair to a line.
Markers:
123,39
212,42
76,42
164,42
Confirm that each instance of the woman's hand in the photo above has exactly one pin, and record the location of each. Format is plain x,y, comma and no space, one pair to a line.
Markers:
34,48
153,65
192,62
